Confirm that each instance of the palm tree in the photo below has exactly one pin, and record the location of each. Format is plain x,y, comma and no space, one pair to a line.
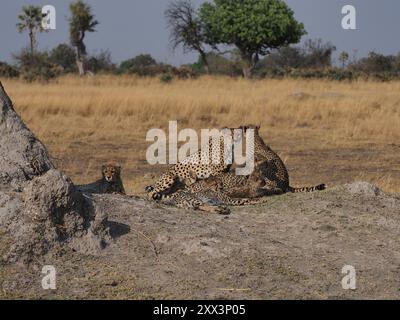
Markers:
31,20
81,21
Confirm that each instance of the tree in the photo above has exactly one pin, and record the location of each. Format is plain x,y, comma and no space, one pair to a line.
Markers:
31,20
139,64
253,26
317,54
375,63
186,28
8,71
36,66
219,64
314,54
343,58
81,21
285,57
64,56
101,62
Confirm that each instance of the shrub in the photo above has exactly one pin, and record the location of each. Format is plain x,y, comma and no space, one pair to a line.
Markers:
64,56
141,64
317,54
166,78
375,63
314,54
218,64
36,66
8,71
327,73
100,63
183,72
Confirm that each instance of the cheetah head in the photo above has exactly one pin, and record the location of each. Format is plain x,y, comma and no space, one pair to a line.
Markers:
111,173
250,126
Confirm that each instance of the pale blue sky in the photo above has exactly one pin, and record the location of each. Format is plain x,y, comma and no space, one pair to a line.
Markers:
130,27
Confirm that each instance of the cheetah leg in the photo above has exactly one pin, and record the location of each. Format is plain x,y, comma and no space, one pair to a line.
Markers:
215,209
166,185
196,205
165,182
119,193
270,189
265,192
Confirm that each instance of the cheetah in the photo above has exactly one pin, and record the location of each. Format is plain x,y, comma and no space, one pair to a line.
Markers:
238,186
205,195
111,181
186,199
168,183
272,168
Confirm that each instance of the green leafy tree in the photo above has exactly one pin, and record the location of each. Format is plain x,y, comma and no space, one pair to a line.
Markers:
253,26
139,64
81,21
31,20
64,56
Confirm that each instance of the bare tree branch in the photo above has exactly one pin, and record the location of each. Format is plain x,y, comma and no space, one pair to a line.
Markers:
186,29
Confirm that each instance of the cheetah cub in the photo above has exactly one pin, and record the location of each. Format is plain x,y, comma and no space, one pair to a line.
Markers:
111,181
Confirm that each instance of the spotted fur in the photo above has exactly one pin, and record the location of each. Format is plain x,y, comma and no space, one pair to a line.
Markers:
111,181
205,195
272,168
168,183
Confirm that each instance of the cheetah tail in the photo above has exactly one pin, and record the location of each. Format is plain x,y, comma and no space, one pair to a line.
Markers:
319,187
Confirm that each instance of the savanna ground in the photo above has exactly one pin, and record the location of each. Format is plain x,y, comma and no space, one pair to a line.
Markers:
292,247
331,132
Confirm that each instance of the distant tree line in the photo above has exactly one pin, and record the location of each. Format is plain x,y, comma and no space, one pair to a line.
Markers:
250,38
312,60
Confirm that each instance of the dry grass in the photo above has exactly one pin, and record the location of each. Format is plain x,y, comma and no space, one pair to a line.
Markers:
342,131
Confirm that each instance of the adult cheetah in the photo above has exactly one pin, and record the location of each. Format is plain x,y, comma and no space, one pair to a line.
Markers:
272,168
168,183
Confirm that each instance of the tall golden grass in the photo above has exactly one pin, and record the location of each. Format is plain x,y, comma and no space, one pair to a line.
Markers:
87,120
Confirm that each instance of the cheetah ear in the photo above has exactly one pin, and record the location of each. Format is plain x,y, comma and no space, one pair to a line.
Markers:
192,177
192,174
103,167
119,168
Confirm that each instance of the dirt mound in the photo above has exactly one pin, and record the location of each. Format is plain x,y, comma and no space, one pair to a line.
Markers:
293,246
39,206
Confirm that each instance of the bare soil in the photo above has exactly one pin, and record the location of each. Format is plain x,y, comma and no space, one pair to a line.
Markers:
293,247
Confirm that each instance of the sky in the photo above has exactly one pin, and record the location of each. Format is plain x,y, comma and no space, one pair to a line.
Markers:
131,27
